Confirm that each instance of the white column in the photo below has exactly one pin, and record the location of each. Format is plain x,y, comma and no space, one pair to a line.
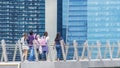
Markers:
51,18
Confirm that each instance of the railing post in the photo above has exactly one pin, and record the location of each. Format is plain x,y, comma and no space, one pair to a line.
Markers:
50,52
85,47
88,50
4,53
108,47
15,51
110,50
63,51
118,53
105,51
2,58
75,50
53,52
99,50
83,52
20,50
66,49
18,46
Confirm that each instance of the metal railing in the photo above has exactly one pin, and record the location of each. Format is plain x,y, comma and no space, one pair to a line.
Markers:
80,52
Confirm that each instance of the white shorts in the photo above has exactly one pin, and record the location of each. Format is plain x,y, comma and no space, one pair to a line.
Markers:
25,47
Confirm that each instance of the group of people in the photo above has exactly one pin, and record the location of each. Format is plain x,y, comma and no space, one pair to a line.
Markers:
33,42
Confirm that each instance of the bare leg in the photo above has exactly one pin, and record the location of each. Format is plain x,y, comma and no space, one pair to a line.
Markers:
26,53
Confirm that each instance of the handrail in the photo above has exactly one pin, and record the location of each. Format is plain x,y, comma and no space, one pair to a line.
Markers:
91,50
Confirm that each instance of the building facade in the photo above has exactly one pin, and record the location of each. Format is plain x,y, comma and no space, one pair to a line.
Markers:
75,21
78,20
88,20
103,24
103,20
92,20
59,16
19,16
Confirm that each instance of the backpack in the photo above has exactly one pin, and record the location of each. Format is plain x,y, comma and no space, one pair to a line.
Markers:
43,41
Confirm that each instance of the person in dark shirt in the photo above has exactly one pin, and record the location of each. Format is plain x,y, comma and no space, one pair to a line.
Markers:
58,46
30,38
31,48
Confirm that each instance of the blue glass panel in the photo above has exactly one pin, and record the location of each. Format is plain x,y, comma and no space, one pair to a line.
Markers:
103,21
75,22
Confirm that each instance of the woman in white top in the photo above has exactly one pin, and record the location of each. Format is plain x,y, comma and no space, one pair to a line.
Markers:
24,46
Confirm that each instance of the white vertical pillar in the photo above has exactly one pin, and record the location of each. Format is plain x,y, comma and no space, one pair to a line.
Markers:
76,56
20,50
99,50
4,53
51,18
15,51
63,49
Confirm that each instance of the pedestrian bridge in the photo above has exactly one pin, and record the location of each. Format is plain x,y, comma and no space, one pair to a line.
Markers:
91,56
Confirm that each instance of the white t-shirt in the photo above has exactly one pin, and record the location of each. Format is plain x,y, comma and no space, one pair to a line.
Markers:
24,43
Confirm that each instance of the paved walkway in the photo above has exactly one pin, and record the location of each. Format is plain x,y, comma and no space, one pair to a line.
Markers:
97,63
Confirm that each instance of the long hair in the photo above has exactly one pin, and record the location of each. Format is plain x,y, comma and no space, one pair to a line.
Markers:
25,35
31,32
45,34
57,36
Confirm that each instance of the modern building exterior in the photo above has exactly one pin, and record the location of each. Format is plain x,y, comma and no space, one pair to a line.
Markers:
92,20
103,23
19,16
78,20
103,20
59,16
74,21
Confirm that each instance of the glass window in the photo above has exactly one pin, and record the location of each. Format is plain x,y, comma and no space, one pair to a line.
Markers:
17,15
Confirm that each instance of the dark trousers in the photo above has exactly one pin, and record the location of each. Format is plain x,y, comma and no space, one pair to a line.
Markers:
59,52
43,55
